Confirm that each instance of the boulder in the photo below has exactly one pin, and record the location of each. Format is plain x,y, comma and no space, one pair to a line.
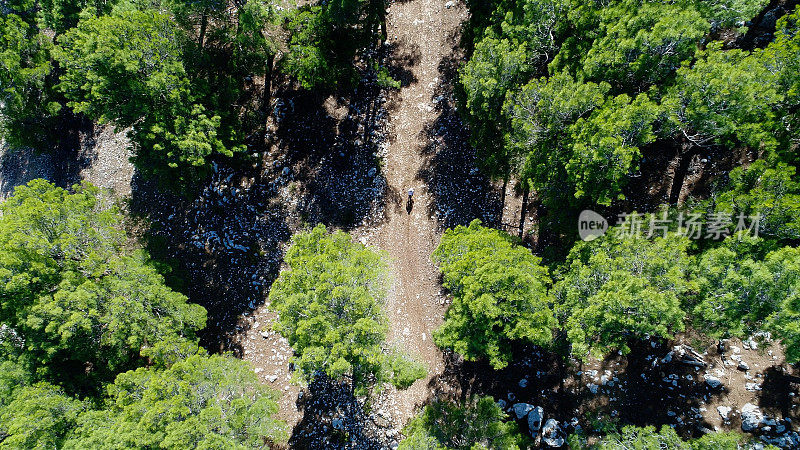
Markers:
724,411
535,418
751,417
712,381
522,409
552,435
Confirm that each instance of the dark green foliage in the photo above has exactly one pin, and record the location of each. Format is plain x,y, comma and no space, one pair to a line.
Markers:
640,44
606,145
727,97
81,307
540,116
478,424
330,305
122,67
127,69
327,37
200,402
499,294
27,104
648,51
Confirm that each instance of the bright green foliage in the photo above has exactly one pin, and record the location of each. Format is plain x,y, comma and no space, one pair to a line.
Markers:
123,67
38,416
719,441
780,57
26,101
738,292
61,15
614,290
201,402
643,43
784,295
478,424
127,68
726,96
606,146
540,116
330,305
182,142
495,67
770,192
646,438
730,13
78,302
499,295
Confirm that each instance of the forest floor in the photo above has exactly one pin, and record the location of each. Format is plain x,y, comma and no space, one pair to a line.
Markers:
411,232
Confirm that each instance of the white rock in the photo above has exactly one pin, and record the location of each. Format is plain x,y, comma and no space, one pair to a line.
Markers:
712,381
521,409
551,434
449,4
751,417
535,417
723,411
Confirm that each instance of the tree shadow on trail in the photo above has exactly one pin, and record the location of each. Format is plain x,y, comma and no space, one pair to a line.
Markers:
328,149
460,191
224,244
335,419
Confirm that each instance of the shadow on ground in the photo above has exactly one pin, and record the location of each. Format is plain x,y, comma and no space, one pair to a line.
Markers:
329,149
639,389
224,245
333,418
460,191
61,164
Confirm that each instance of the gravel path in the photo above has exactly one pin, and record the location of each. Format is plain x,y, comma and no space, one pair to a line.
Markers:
415,304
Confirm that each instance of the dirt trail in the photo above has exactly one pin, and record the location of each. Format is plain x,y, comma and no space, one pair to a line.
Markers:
424,28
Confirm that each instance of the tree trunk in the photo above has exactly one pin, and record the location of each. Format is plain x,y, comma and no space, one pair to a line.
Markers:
203,26
524,210
267,83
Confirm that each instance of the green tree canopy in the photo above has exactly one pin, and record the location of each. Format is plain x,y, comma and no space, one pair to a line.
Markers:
614,289
477,424
122,67
38,416
541,113
77,301
200,402
768,191
605,147
499,295
739,293
330,304
726,96
27,103
643,43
